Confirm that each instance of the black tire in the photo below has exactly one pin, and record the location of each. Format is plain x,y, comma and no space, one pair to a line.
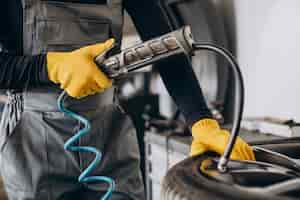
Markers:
185,182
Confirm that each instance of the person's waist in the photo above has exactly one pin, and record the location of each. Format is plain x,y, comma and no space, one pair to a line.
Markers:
45,99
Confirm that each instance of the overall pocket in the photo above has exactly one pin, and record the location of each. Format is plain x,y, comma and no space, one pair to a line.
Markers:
65,26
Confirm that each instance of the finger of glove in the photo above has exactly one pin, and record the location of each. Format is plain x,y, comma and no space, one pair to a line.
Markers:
249,152
53,58
242,150
238,153
65,80
90,92
205,135
246,150
197,148
235,156
92,89
96,88
203,126
252,154
102,80
76,89
99,48
216,140
72,93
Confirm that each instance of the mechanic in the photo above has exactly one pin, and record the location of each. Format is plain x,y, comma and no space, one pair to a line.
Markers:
47,46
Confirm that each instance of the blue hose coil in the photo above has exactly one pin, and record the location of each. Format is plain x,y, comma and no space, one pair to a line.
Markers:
70,146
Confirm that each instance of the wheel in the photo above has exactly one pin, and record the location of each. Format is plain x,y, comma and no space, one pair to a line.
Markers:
185,181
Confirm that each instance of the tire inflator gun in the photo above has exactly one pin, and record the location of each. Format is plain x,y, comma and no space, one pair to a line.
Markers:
179,42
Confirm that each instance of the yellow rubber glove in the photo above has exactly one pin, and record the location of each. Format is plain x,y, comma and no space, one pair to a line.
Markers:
207,136
76,71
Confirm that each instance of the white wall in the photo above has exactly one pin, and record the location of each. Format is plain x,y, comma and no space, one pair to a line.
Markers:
268,48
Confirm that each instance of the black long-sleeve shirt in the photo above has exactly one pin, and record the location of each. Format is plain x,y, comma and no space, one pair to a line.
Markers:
19,71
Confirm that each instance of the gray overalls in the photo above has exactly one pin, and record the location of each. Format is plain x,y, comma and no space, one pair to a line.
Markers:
34,164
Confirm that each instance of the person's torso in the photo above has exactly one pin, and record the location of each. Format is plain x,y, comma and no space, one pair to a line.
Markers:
36,26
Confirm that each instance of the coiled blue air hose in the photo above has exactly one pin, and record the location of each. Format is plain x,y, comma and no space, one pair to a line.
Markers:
70,146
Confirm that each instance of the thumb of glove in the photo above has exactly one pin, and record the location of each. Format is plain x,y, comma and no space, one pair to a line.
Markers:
100,48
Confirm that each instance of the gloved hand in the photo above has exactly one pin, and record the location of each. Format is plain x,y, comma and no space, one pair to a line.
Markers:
76,71
207,136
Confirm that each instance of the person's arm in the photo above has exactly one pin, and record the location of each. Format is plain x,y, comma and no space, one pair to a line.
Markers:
75,71
177,74
20,72
183,86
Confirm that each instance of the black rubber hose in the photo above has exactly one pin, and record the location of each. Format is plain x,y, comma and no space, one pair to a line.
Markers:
238,101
